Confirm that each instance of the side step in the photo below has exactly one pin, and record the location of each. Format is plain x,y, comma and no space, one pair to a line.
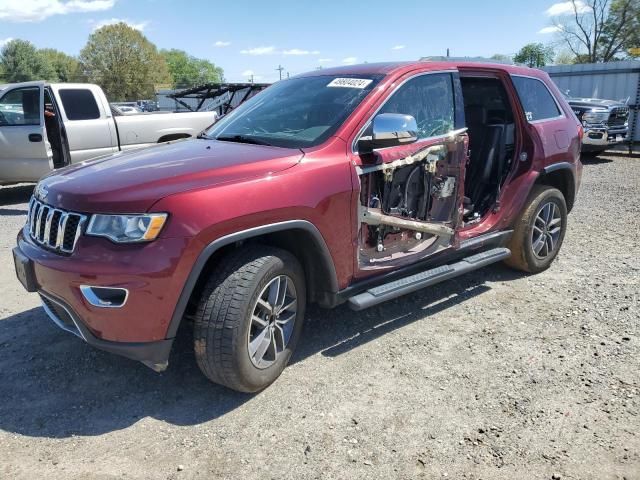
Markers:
405,285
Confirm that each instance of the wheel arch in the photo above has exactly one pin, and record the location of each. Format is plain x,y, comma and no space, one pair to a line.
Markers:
561,176
299,237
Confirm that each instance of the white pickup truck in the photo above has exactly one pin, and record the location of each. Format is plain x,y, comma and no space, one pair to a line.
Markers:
45,126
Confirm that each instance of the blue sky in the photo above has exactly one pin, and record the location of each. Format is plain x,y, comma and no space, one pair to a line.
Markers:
299,35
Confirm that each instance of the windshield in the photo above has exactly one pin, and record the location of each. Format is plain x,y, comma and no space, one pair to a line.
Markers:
295,113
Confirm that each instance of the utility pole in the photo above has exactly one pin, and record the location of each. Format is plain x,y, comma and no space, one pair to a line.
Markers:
280,69
447,53
251,78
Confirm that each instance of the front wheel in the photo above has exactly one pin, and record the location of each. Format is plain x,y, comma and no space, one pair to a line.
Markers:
540,231
250,317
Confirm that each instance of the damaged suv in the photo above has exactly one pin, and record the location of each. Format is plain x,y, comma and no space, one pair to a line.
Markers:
357,184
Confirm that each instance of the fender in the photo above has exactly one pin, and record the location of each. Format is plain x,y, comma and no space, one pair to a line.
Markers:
210,249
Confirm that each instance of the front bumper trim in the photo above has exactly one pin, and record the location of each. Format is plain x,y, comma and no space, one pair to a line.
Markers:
154,355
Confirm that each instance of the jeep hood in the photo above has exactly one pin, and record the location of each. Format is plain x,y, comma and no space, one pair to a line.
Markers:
131,182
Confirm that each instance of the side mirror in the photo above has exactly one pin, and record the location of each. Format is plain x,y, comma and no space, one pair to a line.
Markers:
389,130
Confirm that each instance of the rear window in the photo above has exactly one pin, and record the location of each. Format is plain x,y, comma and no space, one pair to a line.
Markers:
537,101
79,104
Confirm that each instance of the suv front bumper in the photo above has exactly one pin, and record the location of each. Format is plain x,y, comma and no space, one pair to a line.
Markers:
603,137
152,274
154,355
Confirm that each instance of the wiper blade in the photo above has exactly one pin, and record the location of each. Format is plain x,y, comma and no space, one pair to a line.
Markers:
242,139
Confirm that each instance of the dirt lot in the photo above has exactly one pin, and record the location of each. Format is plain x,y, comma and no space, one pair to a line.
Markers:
495,375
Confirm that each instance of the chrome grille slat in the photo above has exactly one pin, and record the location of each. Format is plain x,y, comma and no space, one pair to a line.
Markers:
47,227
62,224
40,224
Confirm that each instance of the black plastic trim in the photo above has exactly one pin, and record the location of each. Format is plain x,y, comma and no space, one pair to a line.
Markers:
472,245
412,283
150,353
210,249
558,166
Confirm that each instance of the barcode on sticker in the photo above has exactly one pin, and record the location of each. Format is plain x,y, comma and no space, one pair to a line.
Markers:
350,82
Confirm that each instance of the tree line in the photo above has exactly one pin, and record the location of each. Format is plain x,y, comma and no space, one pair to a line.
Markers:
591,31
117,57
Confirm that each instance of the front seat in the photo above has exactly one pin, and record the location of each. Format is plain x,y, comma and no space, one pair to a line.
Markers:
486,157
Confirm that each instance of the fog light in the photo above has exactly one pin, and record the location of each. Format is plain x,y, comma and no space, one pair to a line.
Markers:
105,297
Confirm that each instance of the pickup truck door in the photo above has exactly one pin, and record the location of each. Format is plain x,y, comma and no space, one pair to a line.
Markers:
410,202
25,154
88,121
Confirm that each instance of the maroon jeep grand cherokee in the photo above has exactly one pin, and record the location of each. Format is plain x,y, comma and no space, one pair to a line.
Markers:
356,184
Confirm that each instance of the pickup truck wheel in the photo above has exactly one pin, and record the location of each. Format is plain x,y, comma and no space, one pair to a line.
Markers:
539,233
249,318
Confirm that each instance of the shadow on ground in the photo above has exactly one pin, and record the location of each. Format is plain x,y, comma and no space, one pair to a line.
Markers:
53,385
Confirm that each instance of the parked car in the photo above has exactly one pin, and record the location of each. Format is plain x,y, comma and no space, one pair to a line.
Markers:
46,126
357,184
606,122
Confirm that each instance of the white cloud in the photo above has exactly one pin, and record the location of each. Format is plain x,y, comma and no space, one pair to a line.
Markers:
350,60
259,51
4,41
38,10
567,8
221,43
250,73
325,60
297,51
112,21
398,47
550,29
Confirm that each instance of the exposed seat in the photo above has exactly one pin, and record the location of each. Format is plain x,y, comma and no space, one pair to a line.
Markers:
486,159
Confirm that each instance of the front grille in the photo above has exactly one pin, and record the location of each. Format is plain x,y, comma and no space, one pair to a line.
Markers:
54,229
618,116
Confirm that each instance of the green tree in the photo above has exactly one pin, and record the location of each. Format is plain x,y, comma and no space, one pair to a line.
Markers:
67,68
599,30
534,55
187,71
123,62
623,26
21,62
565,57
501,57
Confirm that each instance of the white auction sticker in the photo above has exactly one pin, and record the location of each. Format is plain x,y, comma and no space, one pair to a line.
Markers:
350,82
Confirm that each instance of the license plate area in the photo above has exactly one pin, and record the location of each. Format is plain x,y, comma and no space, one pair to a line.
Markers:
24,270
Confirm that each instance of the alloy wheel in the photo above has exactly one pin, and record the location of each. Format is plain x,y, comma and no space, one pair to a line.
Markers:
546,230
272,321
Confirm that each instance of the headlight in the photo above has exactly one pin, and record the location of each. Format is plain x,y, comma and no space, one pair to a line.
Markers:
597,116
127,228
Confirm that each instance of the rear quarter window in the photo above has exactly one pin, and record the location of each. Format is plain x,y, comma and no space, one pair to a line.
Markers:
536,99
79,104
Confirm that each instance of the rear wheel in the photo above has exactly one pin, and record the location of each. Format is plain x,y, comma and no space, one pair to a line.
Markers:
539,233
250,317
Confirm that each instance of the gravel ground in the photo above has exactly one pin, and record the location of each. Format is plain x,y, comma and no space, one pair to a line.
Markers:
494,375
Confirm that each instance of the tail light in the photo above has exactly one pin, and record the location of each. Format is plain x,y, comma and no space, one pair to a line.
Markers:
580,132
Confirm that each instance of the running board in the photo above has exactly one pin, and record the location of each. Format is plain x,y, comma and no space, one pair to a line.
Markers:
397,288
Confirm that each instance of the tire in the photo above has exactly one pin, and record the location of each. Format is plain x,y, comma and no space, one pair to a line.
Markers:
530,230
225,324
